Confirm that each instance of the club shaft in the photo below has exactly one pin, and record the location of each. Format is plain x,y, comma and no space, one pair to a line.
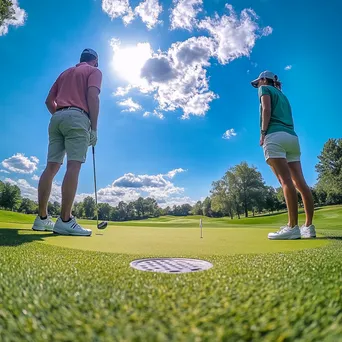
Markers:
95,185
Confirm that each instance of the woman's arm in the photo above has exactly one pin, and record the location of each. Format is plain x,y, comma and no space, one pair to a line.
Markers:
265,116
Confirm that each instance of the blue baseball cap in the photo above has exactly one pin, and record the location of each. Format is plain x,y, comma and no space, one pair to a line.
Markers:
90,52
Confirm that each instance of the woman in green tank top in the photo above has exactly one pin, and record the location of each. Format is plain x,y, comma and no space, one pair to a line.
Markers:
282,152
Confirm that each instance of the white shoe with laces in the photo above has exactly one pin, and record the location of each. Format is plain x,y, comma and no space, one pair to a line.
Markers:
40,225
286,233
308,232
70,228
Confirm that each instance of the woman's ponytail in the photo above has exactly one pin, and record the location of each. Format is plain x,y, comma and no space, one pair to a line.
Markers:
277,84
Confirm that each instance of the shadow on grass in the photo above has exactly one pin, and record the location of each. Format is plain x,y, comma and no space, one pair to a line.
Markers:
329,238
16,237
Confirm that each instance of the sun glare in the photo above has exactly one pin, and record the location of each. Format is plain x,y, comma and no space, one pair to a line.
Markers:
128,62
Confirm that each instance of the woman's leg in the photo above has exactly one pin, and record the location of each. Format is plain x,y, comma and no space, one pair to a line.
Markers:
281,169
300,183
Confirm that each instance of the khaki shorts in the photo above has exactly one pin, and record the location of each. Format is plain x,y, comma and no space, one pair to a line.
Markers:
282,145
69,132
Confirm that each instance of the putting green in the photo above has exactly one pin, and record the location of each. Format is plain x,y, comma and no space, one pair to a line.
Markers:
175,241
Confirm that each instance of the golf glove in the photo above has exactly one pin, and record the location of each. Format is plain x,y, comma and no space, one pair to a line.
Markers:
93,138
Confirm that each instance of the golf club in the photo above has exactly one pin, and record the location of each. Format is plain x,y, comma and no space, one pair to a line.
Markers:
102,225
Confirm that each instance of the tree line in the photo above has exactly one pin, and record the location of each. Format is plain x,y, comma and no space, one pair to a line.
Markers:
240,192
142,208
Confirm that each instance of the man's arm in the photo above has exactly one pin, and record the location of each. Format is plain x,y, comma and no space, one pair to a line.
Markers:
94,105
51,99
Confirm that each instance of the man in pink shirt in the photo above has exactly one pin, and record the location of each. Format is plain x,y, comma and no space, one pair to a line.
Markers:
73,102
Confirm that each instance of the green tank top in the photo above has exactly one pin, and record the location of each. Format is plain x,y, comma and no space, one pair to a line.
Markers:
281,112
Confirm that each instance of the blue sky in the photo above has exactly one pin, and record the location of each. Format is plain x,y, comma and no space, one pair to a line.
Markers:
186,84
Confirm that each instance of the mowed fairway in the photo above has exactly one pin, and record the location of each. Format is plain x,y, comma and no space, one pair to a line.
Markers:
257,289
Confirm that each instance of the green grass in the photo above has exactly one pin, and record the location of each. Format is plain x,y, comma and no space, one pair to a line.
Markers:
52,293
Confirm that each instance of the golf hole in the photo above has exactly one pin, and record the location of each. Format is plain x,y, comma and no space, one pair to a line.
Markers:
171,265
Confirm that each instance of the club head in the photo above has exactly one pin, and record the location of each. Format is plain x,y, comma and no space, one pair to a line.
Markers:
102,225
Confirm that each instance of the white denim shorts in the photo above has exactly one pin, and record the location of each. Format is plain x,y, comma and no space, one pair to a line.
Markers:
282,145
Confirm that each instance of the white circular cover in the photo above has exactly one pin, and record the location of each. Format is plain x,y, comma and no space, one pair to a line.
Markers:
171,265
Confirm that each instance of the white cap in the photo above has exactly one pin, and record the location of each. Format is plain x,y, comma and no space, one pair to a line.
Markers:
265,74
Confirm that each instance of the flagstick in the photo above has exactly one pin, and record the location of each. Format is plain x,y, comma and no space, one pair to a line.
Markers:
201,226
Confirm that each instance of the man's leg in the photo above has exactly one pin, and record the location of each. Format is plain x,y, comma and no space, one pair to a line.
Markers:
69,188
44,187
281,169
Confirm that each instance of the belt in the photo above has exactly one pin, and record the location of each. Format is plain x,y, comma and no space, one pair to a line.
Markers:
72,108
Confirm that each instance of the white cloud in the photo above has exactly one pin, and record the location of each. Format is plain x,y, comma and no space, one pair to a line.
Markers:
122,91
176,201
19,17
229,134
118,9
154,113
35,178
3,171
288,67
130,187
27,190
21,164
173,173
149,11
127,188
177,78
184,13
130,105
235,36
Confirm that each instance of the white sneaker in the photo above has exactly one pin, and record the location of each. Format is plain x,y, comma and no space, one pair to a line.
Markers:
286,233
70,228
308,232
43,225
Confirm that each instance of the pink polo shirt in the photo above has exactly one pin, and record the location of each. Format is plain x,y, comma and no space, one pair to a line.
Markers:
71,87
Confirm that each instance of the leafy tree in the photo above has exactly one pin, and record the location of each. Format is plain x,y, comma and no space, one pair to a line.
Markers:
197,208
122,211
151,207
329,171
131,212
167,211
114,215
78,209
222,197
89,207
206,207
185,209
281,198
54,208
10,196
104,211
140,207
6,10
249,183
271,199
28,206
